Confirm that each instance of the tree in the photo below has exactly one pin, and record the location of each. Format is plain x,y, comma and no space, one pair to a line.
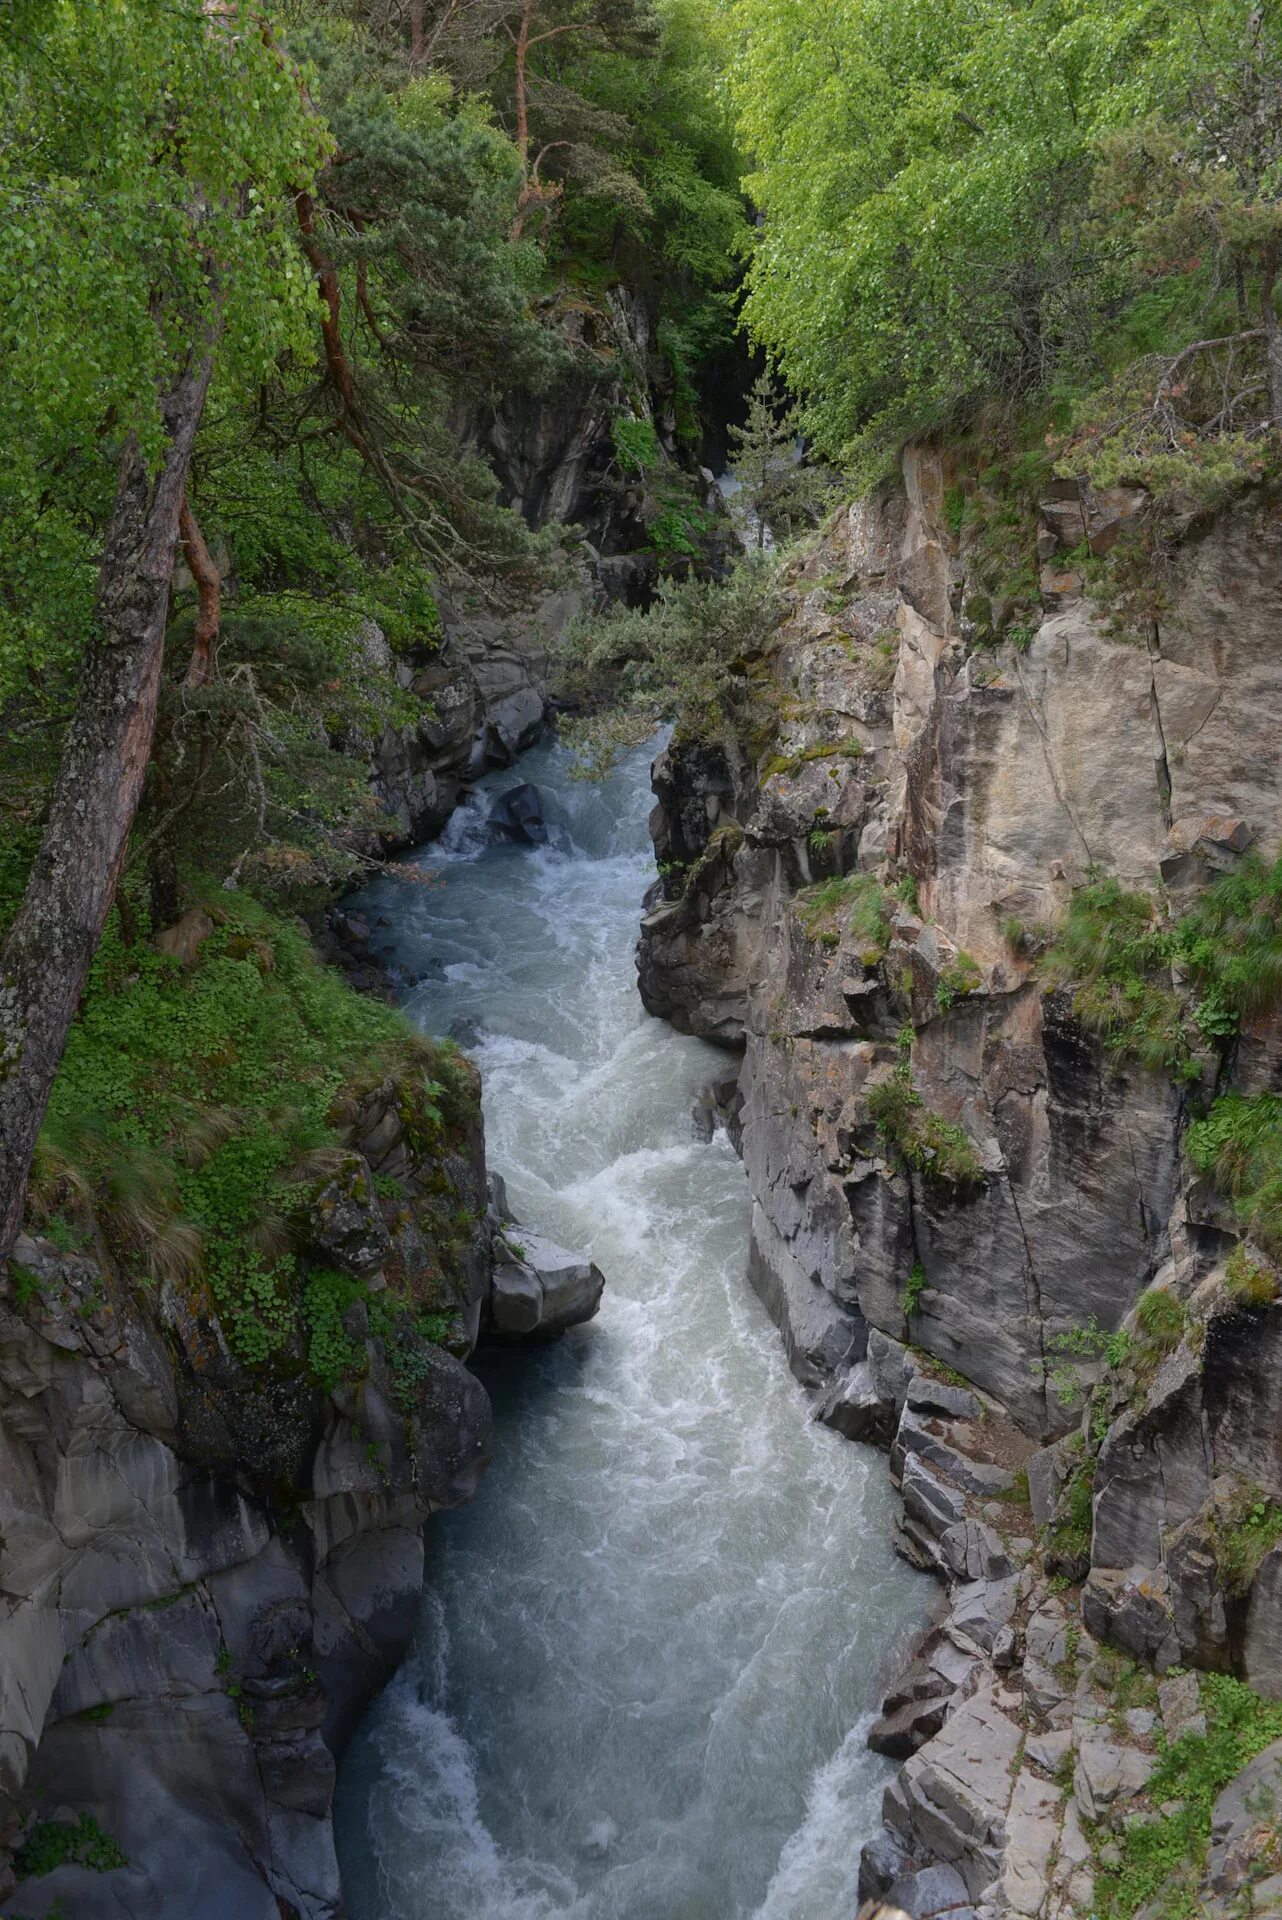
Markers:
923,177
150,151
780,494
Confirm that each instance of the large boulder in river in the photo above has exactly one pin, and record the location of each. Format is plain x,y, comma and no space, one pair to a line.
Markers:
517,816
539,1290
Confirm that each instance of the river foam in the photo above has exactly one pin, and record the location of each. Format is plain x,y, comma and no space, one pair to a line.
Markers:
648,1651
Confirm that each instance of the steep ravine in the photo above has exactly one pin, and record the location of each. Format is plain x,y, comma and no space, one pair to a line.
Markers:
648,1652
961,1196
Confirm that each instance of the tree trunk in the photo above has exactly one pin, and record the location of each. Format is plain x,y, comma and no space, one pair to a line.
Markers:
209,598
1273,344
47,956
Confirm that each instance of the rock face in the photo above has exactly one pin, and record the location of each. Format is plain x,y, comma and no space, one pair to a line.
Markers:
204,1573
988,781
942,1155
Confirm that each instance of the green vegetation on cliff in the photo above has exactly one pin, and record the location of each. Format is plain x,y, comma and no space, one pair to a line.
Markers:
198,1111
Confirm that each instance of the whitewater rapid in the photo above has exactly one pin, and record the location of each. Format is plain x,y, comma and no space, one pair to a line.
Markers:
649,1651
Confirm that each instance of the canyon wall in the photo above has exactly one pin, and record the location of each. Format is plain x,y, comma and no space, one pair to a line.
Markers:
961,1190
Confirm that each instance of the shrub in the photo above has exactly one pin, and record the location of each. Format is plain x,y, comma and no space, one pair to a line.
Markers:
854,904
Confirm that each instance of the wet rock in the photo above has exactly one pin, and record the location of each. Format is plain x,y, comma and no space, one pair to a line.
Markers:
517,817
852,1405
539,1290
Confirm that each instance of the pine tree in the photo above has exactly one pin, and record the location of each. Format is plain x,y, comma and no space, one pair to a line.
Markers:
780,493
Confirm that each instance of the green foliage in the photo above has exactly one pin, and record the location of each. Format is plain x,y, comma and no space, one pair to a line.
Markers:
1162,1860
855,905
194,1107
935,1147
1240,1144
51,1844
692,656
331,1354
1089,1343
1068,1533
986,201
959,978
1161,1320
910,1299
142,144
1246,1528
637,445
782,495
1117,953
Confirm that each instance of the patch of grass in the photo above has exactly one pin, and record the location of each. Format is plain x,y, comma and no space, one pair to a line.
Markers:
1162,1860
854,904
958,979
1117,950
936,1147
195,1108
916,1285
1250,1282
1239,1143
1247,1528
51,1844
1068,1532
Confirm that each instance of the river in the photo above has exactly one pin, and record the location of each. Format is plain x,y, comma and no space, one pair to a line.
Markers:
650,1650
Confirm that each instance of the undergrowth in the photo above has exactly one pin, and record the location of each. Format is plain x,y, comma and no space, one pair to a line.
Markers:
1162,1860
196,1109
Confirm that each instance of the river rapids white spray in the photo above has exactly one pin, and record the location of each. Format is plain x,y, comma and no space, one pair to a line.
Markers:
649,1650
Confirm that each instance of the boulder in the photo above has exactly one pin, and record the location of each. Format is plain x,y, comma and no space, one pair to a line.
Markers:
517,817
538,1289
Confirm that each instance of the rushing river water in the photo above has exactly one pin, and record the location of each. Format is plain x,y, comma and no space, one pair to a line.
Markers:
649,1650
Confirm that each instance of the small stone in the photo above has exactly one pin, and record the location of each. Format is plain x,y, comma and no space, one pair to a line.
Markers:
1140,1721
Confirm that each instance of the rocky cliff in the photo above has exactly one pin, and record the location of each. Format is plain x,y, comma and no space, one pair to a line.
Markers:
967,1130
208,1566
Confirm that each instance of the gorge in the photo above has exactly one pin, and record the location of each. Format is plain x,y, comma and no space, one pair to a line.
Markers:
640,1117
